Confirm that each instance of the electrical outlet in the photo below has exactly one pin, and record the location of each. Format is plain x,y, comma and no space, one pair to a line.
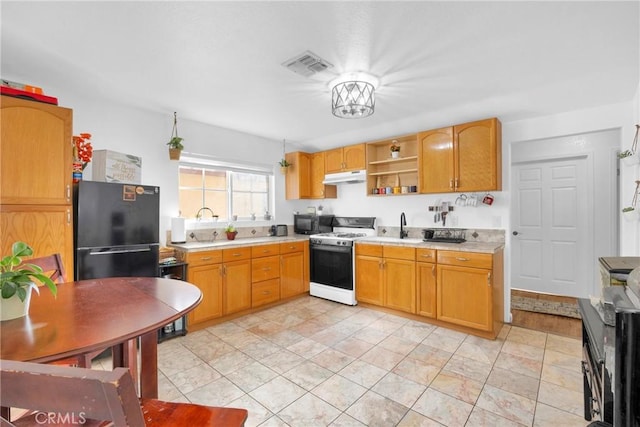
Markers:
192,234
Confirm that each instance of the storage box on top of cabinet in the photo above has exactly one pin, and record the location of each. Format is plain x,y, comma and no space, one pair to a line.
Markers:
111,166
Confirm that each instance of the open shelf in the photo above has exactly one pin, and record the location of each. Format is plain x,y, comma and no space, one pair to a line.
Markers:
384,171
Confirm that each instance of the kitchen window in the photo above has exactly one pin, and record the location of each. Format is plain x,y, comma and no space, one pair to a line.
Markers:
226,188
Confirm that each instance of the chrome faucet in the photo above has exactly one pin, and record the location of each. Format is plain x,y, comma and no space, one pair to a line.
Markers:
199,213
403,222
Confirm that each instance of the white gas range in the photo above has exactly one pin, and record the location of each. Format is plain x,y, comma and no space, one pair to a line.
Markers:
332,258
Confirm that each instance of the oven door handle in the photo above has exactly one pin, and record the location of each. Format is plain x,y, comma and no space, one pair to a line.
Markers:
329,248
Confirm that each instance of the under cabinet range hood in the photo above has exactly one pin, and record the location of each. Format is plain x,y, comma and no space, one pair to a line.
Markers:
345,177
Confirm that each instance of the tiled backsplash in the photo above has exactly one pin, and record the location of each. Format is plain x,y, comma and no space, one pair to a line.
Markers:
471,234
217,233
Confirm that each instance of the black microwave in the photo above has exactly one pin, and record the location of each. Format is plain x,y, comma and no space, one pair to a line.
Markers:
312,224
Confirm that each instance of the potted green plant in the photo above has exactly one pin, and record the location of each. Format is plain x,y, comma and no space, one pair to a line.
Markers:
175,143
395,149
231,232
17,279
284,165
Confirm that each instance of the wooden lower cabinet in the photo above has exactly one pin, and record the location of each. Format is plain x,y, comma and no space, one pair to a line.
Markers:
399,272
265,292
48,229
291,274
461,288
208,278
426,274
369,274
236,273
386,276
469,293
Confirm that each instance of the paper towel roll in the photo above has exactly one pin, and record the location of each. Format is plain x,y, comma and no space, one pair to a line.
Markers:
178,232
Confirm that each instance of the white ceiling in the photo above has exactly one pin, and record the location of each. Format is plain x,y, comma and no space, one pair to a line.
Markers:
438,63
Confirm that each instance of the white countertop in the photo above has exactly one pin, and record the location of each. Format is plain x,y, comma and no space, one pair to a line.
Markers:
482,247
223,243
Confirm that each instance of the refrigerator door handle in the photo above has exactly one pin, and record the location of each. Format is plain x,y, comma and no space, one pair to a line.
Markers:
120,251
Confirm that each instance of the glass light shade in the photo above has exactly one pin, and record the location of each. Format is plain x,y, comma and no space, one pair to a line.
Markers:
353,99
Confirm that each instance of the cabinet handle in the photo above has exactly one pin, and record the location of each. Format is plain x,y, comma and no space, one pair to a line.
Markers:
462,259
266,251
456,183
236,254
68,193
266,268
489,279
266,292
433,270
206,258
426,256
451,183
68,217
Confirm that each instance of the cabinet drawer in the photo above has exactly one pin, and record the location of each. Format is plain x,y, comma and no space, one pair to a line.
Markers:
399,252
265,250
426,255
465,259
290,247
368,250
236,254
195,259
265,268
265,292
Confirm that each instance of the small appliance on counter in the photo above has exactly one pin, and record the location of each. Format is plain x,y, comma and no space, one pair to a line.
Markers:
279,230
444,235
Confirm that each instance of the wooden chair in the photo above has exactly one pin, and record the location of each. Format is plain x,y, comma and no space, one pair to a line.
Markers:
74,395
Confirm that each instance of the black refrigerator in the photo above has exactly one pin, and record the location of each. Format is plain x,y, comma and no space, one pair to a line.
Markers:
116,230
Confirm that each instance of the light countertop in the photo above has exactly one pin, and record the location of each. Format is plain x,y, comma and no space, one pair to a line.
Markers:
481,247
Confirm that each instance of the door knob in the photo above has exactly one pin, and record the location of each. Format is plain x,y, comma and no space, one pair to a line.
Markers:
515,233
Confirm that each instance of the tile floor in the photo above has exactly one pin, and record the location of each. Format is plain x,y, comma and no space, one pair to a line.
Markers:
312,362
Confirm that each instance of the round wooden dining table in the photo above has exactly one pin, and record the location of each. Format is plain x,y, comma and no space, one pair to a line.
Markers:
92,315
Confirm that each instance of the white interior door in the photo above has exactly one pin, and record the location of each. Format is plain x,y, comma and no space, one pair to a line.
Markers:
551,217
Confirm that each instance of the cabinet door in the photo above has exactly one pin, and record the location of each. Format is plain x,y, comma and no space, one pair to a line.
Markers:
32,129
333,161
464,296
436,166
400,284
297,179
265,268
318,189
426,277
208,278
478,156
369,279
354,157
291,274
237,286
47,229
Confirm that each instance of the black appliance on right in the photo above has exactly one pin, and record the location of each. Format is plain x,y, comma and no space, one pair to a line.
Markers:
611,354
116,230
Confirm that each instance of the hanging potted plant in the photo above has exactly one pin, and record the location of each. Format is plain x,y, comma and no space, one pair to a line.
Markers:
284,164
175,143
632,156
17,280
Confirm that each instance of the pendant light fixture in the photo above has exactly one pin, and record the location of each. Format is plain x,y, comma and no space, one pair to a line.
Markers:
353,95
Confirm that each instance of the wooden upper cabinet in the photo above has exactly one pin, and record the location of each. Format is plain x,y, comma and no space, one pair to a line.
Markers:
345,159
461,158
305,175
33,129
297,182
318,189
436,164
478,155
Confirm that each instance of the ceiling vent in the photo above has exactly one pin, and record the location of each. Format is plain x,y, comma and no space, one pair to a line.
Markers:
307,64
